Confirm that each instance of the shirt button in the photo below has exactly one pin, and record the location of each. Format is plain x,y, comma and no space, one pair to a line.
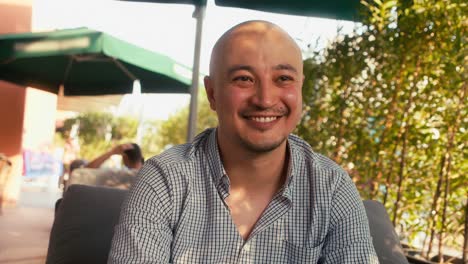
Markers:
246,247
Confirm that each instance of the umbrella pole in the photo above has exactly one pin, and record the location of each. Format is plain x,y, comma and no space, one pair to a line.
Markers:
199,14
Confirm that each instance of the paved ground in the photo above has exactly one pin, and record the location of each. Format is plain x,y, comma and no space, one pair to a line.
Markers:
25,229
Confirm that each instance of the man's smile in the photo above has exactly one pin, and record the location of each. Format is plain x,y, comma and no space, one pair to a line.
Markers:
263,119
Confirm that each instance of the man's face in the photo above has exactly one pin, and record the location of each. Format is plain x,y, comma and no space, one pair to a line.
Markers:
255,88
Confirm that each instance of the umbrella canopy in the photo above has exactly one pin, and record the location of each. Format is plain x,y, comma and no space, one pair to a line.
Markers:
87,62
336,9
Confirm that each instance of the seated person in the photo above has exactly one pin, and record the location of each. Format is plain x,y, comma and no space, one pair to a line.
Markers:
247,191
130,152
93,174
64,178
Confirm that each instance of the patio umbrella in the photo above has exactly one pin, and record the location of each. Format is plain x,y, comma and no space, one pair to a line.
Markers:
336,9
87,62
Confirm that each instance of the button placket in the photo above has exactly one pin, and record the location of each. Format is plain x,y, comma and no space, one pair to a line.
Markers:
246,247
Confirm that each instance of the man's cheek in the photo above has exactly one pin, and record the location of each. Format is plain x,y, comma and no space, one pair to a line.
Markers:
293,98
236,98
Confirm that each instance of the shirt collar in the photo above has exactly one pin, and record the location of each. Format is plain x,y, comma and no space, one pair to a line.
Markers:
219,174
214,158
287,188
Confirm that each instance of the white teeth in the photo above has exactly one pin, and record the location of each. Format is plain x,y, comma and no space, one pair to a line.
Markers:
264,119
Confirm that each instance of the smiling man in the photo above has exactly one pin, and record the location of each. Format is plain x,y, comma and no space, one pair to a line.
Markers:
247,191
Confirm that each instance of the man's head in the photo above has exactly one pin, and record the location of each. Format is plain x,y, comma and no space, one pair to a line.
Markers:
255,86
133,158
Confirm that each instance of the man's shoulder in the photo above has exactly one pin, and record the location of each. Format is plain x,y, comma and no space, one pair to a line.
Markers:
173,155
175,167
303,151
181,154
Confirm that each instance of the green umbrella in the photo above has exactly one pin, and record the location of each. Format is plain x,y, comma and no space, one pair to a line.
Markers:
336,9
87,62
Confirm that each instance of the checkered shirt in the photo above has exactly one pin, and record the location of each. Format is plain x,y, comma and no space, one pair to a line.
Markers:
176,213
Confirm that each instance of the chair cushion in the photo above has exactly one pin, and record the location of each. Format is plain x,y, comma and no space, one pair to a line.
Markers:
385,239
84,224
118,178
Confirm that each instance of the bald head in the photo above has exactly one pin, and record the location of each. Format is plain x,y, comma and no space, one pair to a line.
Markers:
255,87
255,31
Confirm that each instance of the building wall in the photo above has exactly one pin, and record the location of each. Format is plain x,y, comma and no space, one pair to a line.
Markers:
12,104
16,17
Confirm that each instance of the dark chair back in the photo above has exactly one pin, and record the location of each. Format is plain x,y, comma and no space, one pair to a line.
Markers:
84,225
385,239
85,220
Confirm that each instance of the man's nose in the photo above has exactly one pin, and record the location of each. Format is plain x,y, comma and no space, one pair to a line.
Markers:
265,95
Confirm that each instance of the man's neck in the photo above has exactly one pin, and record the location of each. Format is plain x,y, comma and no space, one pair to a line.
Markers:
256,171
255,178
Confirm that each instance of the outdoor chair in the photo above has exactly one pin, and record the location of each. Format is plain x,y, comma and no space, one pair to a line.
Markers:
385,239
85,219
84,224
106,177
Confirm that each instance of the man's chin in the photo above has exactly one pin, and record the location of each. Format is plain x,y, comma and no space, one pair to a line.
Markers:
262,146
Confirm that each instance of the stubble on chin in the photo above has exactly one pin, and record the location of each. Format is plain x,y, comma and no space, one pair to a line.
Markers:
262,148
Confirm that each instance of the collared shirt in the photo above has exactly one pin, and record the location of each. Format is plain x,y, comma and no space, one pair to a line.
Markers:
176,213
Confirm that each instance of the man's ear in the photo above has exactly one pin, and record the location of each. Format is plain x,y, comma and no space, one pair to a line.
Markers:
209,88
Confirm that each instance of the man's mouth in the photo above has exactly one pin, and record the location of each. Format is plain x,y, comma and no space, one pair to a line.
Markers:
263,119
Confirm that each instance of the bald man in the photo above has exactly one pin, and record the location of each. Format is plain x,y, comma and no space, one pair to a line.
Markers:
247,191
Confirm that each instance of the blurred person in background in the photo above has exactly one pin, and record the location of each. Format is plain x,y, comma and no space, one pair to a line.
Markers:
95,174
131,156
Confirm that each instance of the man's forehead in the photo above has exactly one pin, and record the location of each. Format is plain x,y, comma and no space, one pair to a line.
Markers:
249,36
254,31
276,49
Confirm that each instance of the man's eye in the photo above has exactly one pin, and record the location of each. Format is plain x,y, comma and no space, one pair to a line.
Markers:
285,78
243,79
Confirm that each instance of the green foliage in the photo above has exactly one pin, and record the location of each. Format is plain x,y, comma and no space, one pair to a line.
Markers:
149,145
98,132
173,131
388,103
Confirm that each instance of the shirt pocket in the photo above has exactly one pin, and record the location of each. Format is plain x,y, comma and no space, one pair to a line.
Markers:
300,253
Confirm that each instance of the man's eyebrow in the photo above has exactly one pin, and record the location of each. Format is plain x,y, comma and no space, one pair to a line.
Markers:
286,66
239,67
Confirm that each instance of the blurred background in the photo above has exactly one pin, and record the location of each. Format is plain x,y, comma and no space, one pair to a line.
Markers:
384,96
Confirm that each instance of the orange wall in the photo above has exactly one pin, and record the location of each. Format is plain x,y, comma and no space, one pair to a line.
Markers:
12,103
15,17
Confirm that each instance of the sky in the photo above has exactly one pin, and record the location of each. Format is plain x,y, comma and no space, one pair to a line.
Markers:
170,29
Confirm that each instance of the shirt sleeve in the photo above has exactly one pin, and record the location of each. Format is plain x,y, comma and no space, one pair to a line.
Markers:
144,232
348,239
